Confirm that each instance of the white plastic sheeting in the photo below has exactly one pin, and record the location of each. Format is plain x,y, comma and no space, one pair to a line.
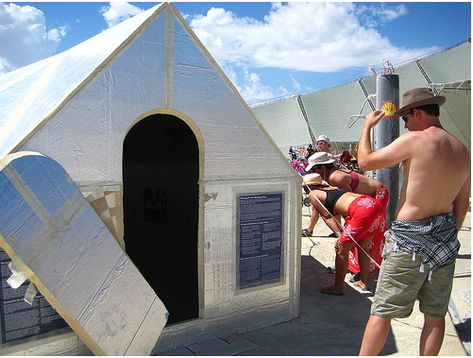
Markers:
86,134
90,99
285,123
57,241
234,139
327,108
447,72
30,94
159,66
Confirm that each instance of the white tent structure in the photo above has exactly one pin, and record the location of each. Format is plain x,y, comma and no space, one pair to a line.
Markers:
297,119
158,139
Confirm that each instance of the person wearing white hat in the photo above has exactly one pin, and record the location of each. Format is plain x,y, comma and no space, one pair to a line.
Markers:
323,143
361,213
322,164
319,158
315,159
422,244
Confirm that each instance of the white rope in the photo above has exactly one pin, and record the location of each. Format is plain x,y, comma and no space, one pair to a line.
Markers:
355,117
343,227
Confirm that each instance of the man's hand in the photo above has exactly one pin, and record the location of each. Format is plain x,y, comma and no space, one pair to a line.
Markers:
373,118
364,145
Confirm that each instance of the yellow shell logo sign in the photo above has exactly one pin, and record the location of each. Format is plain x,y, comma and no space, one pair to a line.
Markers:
389,108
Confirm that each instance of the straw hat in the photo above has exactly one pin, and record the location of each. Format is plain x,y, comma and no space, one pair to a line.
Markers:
418,97
313,179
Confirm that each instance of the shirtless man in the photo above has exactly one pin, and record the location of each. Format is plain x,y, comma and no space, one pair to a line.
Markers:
432,206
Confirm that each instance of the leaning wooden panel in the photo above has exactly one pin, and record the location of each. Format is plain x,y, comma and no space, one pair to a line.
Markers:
55,238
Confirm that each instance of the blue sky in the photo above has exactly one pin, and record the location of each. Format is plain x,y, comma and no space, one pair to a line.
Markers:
268,50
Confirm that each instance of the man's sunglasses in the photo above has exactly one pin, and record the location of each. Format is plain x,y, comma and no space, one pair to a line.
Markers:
406,116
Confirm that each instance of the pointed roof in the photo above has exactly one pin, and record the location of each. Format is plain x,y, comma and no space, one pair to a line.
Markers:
32,94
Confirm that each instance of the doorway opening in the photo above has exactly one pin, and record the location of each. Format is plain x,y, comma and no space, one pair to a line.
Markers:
161,209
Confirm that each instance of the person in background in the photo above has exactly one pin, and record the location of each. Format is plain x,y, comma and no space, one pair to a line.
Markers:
322,164
299,165
322,145
308,151
314,217
422,243
292,153
362,214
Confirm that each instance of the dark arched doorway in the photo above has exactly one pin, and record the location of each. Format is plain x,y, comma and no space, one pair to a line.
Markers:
161,209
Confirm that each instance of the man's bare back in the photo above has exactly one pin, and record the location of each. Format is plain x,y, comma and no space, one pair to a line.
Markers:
437,168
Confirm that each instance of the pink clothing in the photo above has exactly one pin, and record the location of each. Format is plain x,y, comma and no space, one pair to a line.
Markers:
382,194
366,219
355,180
299,166
375,251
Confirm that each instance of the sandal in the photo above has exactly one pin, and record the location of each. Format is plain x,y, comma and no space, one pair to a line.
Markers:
307,233
361,286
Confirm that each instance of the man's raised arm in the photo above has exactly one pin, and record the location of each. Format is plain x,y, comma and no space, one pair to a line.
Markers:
364,145
394,153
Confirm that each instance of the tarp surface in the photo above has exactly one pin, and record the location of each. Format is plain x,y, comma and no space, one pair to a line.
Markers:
30,94
447,72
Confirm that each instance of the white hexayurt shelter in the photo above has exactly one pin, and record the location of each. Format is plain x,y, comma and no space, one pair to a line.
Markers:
179,170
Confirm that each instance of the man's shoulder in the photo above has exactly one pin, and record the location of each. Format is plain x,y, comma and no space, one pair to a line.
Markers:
432,133
410,137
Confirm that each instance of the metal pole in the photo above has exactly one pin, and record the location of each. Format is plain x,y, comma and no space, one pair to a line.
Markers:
387,100
306,118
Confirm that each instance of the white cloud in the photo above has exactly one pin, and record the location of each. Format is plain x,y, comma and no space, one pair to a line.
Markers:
318,37
24,37
57,34
380,13
295,84
118,11
253,90
248,83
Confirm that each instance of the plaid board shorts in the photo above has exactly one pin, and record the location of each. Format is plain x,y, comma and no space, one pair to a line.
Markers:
400,282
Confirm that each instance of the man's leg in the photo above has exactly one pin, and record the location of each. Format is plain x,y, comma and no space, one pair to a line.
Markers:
431,338
376,333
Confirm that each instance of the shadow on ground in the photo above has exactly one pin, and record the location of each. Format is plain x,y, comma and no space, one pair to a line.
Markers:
340,320
327,325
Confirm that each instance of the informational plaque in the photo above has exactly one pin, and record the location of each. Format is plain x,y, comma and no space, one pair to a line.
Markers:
19,319
260,239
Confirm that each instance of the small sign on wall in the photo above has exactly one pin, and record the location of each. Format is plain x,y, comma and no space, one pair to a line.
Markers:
19,319
259,239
